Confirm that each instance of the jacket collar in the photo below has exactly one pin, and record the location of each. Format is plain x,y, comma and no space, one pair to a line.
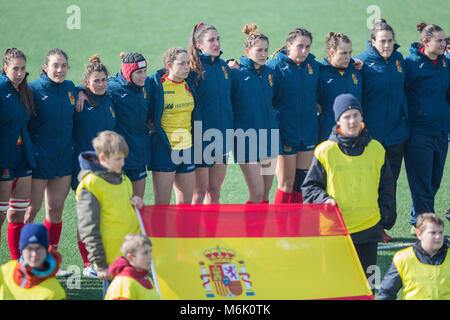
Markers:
122,267
207,58
373,52
283,56
328,66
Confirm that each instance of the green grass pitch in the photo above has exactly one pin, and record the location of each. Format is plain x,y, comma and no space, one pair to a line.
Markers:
150,27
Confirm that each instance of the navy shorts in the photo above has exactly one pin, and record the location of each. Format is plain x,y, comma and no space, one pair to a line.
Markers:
50,166
136,174
21,169
287,150
179,161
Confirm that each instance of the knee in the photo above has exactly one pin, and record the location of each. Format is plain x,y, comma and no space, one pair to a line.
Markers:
213,193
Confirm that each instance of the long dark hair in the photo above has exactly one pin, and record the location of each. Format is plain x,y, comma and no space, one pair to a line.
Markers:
197,34
25,93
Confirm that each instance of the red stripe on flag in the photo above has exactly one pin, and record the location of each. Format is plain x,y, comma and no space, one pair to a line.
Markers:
236,220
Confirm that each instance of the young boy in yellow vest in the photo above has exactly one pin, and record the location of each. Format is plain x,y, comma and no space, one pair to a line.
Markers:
350,170
33,276
422,270
130,271
105,202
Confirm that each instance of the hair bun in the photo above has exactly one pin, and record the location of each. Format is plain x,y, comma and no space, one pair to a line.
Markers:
331,34
250,29
421,25
95,59
381,20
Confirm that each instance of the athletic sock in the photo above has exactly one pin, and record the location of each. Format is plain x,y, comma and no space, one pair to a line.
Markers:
296,197
54,232
281,196
83,253
300,175
14,230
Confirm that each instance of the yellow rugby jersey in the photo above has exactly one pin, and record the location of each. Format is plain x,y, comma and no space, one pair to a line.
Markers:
176,116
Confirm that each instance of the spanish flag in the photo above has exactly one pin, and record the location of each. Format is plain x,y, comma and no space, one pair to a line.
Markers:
263,252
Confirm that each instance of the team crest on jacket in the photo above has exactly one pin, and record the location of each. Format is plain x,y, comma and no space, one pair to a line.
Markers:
443,63
112,111
71,98
399,66
5,174
310,70
270,80
223,275
355,79
225,72
144,92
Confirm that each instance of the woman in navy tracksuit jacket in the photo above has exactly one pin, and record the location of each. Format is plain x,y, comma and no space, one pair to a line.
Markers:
51,136
212,80
98,113
130,92
296,75
256,141
162,152
427,84
337,76
331,84
16,152
384,101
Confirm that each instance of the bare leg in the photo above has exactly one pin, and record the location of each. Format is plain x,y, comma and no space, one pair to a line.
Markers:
162,186
184,187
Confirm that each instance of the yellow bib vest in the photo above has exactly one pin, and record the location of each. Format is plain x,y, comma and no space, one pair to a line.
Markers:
353,182
128,288
117,215
49,289
422,281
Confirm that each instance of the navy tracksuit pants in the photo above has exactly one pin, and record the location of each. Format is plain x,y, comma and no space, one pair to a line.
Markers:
424,163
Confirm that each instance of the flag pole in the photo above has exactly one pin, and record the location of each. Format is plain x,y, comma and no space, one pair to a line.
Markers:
152,265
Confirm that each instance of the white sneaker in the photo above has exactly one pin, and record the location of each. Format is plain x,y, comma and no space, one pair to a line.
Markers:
63,273
90,271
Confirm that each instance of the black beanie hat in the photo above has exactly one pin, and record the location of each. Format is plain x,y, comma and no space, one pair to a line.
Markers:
343,103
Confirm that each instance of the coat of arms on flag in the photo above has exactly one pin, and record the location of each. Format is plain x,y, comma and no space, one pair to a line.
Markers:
222,276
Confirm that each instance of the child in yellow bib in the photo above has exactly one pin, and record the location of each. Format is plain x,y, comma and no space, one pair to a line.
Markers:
33,276
422,270
130,271
350,170
105,202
